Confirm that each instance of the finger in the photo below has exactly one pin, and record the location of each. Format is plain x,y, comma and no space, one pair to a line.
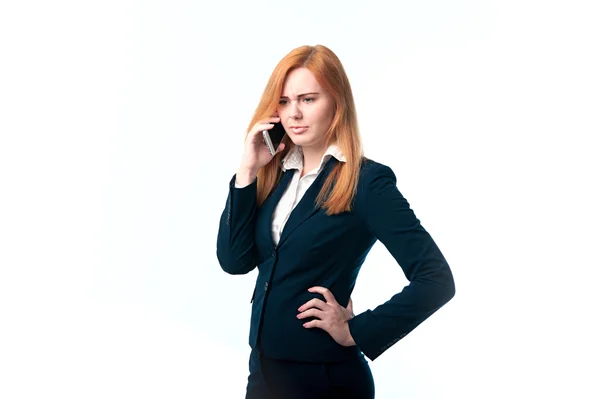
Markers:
313,303
314,323
280,148
313,312
260,127
349,307
257,130
271,120
266,124
325,292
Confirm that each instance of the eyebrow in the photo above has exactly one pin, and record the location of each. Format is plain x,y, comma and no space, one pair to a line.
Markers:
300,95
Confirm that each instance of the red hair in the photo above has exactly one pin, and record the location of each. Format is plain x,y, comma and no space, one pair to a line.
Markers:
329,72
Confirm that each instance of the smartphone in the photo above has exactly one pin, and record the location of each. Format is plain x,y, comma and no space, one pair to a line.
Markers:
273,137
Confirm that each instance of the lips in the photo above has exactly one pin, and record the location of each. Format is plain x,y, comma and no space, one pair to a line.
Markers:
298,129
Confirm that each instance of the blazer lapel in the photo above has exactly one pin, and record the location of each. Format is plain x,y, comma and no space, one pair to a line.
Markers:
268,207
306,207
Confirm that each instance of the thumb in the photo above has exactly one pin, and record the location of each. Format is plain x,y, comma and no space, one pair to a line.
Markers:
349,307
280,148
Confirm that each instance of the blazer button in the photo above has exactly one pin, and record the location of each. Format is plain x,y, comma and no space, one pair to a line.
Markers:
266,285
274,254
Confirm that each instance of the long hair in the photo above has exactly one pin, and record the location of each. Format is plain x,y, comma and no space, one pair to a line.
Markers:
339,189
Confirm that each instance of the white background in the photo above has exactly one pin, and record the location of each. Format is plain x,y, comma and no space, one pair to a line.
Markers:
122,123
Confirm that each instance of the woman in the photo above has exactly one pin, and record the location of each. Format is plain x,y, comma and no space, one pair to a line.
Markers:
307,218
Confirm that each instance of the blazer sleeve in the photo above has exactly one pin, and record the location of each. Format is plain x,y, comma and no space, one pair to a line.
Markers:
388,216
236,248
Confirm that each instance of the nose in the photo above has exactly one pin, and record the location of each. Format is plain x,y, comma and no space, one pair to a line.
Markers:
295,111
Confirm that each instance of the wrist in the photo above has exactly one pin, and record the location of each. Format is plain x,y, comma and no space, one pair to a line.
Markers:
349,340
245,176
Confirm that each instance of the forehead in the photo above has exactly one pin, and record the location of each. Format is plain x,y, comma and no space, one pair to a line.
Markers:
300,80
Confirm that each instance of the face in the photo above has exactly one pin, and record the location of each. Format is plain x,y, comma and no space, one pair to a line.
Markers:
305,109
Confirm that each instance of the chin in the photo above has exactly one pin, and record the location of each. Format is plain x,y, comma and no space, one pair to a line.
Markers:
296,141
302,141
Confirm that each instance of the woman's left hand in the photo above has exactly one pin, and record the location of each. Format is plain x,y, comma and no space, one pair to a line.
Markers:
333,316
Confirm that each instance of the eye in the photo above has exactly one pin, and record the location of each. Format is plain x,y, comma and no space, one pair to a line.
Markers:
309,99
282,102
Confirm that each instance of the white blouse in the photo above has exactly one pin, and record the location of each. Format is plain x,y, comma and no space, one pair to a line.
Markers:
298,186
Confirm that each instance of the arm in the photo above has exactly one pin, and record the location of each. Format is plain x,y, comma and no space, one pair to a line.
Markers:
236,249
388,216
235,241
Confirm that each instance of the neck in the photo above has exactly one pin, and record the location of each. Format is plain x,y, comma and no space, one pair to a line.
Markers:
312,157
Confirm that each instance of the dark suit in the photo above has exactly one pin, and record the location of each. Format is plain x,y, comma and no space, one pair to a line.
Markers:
328,251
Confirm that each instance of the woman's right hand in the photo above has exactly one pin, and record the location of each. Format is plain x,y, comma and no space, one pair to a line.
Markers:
256,153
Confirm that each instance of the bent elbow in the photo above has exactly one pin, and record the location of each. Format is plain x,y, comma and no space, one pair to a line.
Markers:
234,267
449,289
438,287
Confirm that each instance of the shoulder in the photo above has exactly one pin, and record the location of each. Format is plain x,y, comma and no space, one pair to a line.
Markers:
375,181
371,171
377,193
376,188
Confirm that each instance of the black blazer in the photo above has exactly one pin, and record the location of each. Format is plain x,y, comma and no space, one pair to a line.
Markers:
328,251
